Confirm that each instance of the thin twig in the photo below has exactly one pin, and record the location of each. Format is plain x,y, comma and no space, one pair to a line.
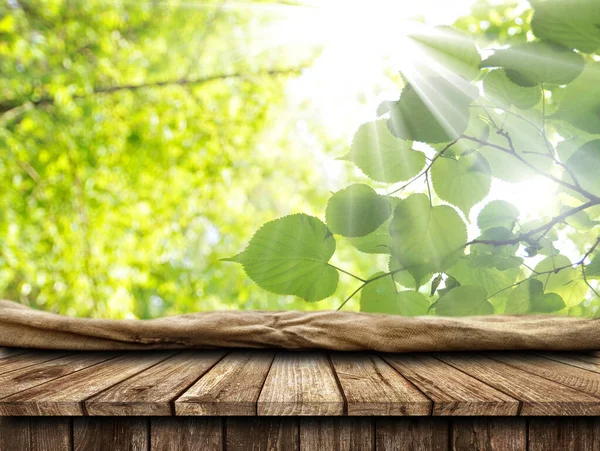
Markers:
426,170
534,168
346,272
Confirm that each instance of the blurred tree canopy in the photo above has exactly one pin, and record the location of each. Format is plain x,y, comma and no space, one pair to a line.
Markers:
135,154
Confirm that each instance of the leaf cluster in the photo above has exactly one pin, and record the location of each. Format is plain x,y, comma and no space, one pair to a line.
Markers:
529,110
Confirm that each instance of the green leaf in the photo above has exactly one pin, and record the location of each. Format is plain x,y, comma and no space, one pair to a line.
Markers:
290,256
435,284
356,211
573,23
580,102
566,148
449,284
379,241
383,157
435,111
463,182
426,239
498,213
548,303
567,283
468,272
497,235
542,243
592,271
405,278
533,63
499,256
502,92
521,297
452,51
466,300
381,297
585,166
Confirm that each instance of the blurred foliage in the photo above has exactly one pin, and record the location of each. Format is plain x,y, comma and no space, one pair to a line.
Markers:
135,153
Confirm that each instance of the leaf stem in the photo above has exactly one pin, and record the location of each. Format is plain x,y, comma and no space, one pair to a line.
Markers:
347,272
426,170
366,282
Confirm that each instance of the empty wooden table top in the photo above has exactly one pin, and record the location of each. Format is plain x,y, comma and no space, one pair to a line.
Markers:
281,383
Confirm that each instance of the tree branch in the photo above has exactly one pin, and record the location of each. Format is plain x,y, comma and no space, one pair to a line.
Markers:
542,228
8,108
533,167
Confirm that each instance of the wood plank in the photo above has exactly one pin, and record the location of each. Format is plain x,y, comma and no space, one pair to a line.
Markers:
411,434
9,352
574,377
186,434
117,433
337,434
16,362
31,376
489,434
231,387
35,434
65,396
578,360
452,391
300,384
538,396
261,434
372,387
563,434
151,391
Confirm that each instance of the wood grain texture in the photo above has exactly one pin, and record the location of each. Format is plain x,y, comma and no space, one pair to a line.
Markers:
452,391
372,387
32,376
261,434
411,434
150,392
35,434
9,352
575,377
65,396
538,396
489,434
337,434
231,387
563,434
19,361
103,434
186,434
300,383
586,362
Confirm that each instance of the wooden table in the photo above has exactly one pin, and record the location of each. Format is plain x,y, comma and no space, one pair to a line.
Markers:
244,400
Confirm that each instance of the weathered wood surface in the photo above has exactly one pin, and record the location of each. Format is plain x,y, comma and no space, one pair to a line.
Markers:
537,395
299,434
300,384
452,391
268,383
372,387
232,387
150,392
